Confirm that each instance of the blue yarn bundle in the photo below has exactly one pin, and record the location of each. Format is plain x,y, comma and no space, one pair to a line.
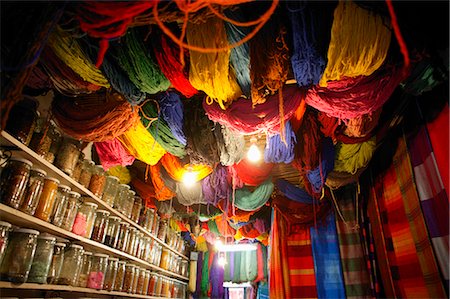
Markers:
293,192
277,151
239,56
315,177
307,63
172,112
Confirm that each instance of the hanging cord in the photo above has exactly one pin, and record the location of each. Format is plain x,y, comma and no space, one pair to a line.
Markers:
337,207
356,226
398,35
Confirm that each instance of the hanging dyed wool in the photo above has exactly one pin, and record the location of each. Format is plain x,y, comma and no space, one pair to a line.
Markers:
162,192
168,57
242,117
293,192
338,179
189,195
69,51
351,157
171,108
252,174
311,24
141,144
251,201
202,135
211,72
269,62
215,186
233,147
329,126
318,176
176,171
120,81
353,97
136,61
95,117
359,43
151,119
108,20
308,148
144,190
112,153
120,172
277,151
424,77
239,56
39,79
363,125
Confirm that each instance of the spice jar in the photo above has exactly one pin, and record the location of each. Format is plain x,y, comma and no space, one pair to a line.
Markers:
47,199
120,198
78,167
146,282
164,287
60,206
155,226
14,180
85,269
73,203
158,254
158,286
42,259
98,181
118,283
33,191
113,231
131,246
162,231
136,210
140,245
128,280
128,203
56,264
84,220
184,267
5,228
57,139
41,140
144,248
68,155
140,282
124,236
71,268
111,273
98,270
152,285
100,226
22,119
19,255
146,218
86,172
111,190
164,258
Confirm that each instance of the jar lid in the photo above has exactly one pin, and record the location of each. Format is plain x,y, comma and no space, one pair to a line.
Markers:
132,192
52,179
64,187
114,178
61,244
130,265
87,253
46,237
27,231
5,224
21,160
124,223
124,186
91,162
122,262
99,167
101,255
76,194
76,246
91,204
113,259
115,218
41,171
104,212
52,122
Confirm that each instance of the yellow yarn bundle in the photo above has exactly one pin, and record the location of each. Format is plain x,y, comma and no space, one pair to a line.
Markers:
351,157
120,172
141,144
359,43
211,72
69,51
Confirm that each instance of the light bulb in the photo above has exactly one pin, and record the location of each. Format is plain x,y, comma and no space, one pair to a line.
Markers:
189,177
218,244
222,261
253,154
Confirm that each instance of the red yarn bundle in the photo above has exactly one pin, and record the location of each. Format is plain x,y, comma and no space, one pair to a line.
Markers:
308,147
112,153
252,174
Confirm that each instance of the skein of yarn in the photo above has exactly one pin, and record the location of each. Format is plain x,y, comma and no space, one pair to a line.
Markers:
352,157
112,153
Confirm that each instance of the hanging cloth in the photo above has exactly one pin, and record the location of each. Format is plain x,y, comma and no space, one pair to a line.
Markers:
251,201
252,174
176,171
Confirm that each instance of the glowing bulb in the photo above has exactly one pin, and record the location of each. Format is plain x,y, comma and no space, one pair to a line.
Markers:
189,177
253,154
218,244
222,261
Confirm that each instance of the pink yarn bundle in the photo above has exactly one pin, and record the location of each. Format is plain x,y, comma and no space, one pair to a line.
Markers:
112,153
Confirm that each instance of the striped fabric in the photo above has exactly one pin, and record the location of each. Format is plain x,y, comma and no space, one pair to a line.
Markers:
327,265
433,198
301,265
356,276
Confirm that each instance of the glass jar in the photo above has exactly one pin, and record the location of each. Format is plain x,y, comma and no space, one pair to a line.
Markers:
152,285
136,210
111,273
62,196
140,282
98,181
33,191
84,220
42,259
164,262
145,248
158,286
184,267
162,231
131,246
146,282
158,254
169,237
78,167
100,226
86,173
128,280
128,203
118,283
124,236
113,231
165,287
73,203
139,247
68,155
146,218
22,119
41,140
98,270
14,180
57,139
19,255
120,198
70,271
111,190
152,248
47,199
155,226
5,228
56,264
85,269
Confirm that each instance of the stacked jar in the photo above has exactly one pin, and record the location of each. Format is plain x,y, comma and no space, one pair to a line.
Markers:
33,191
136,210
56,264
96,276
85,269
76,173
98,181
43,136
100,226
5,228
71,211
22,119
146,218
47,199
84,220
68,155
72,265
111,273
121,197
128,281
128,203
113,231
14,180
59,209
118,283
111,190
124,236
86,173
57,139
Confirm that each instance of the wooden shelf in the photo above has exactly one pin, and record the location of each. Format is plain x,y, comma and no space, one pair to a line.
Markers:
63,288
22,150
21,219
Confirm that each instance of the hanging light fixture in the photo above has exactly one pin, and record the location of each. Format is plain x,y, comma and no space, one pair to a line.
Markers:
222,261
189,177
253,153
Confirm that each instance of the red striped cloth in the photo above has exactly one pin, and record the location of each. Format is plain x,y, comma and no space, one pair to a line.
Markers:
301,265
